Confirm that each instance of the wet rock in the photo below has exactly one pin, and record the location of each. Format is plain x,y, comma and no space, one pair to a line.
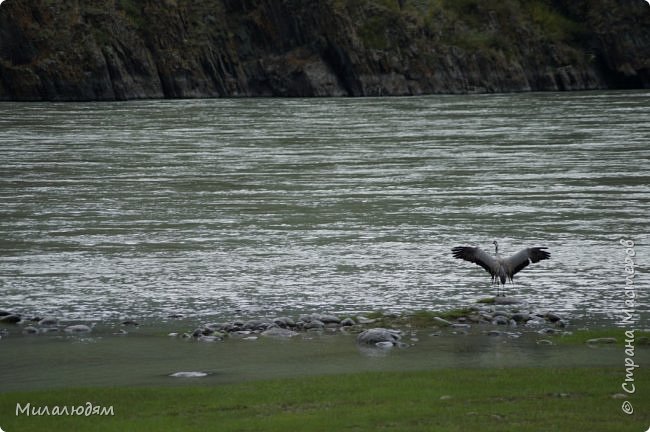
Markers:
547,331
329,319
257,325
279,332
305,318
365,320
130,322
48,322
204,338
494,333
188,374
374,335
442,321
10,319
4,313
520,316
30,330
500,320
241,333
78,328
461,326
284,322
347,322
535,322
202,331
544,342
602,341
552,317
384,345
314,324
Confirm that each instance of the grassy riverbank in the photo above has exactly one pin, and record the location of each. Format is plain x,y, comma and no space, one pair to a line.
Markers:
522,399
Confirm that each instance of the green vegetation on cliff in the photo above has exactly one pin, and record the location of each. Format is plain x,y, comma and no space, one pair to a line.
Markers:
127,49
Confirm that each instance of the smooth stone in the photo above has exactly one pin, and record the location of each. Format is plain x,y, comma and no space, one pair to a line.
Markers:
546,331
520,316
10,319
461,326
535,322
602,340
552,317
250,338
315,324
49,321
208,338
347,322
364,320
284,322
544,342
257,325
173,334
384,345
130,323
329,319
441,321
500,320
78,328
201,331
374,335
188,374
494,333
30,330
279,332
308,317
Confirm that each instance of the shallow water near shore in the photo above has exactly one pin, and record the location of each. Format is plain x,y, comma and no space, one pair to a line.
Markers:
147,356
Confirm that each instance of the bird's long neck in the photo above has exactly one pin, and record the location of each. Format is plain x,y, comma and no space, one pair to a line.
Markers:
496,249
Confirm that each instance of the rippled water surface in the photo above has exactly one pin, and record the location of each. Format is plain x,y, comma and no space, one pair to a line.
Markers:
267,206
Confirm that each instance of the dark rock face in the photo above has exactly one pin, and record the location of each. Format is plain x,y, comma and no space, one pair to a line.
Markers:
128,49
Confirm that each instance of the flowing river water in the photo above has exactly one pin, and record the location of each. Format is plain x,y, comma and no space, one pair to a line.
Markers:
261,207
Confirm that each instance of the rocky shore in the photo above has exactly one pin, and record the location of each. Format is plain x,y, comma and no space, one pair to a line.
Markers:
505,318
77,51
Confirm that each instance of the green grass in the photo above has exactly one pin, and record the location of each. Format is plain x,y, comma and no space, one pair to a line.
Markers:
566,399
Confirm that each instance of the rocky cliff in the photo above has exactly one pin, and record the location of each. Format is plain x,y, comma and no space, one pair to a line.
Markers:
129,49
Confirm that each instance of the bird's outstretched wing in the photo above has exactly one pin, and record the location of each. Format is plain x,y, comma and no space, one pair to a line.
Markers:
525,256
477,256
